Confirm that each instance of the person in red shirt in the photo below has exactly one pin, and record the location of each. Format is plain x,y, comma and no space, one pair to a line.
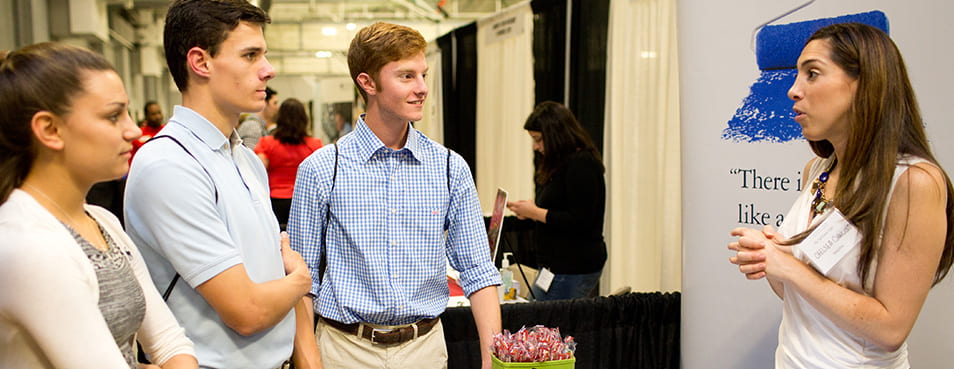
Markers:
281,153
150,126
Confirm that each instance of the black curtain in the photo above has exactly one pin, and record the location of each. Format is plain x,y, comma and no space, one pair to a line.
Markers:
587,92
637,330
549,46
459,76
587,100
589,23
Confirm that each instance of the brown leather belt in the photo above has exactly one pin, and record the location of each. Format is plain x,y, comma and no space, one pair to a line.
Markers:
385,337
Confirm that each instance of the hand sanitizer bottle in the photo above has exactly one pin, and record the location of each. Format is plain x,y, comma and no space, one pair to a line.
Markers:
506,276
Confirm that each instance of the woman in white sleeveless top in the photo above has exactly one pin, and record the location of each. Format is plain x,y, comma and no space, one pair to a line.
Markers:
852,287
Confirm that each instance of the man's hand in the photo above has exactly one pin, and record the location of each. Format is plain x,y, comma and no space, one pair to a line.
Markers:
291,258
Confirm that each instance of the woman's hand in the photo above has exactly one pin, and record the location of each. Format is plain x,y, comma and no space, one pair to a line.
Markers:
759,255
750,252
770,233
526,209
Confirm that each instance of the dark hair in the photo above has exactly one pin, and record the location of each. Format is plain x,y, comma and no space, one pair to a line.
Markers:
204,24
145,107
40,77
291,122
884,121
344,109
379,44
269,92
562,136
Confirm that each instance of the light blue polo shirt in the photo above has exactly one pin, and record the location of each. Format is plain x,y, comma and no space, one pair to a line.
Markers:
202,222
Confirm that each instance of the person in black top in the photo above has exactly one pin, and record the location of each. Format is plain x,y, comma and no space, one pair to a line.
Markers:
569,206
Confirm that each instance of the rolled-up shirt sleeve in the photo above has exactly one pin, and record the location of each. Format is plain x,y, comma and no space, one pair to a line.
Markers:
467,246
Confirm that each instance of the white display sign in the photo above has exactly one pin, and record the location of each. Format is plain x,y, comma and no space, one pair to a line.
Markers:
732,181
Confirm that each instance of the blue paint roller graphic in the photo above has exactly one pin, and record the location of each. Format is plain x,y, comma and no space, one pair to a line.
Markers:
766,114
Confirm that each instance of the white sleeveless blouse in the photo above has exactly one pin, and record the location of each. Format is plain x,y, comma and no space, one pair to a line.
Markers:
806,337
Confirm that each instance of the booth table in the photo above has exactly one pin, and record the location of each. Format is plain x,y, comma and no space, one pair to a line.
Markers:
636,330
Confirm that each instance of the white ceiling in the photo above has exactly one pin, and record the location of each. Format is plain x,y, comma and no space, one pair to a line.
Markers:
356,10
301,29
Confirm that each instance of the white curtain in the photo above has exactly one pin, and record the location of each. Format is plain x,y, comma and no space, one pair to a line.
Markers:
432,125
642,149
504,100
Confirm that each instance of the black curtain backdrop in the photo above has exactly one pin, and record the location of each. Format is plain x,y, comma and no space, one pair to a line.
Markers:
549,46
637,330
587,93
459,76
587,53
587,100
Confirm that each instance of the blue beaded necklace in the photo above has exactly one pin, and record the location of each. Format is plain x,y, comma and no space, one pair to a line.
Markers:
820,203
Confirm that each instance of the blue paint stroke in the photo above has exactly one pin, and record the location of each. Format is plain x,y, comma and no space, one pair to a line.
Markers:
766,113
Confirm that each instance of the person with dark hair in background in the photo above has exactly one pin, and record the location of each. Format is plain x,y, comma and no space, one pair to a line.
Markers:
75,290
260,124
109,195
878,196
342,116
385,209
152,115
197,199
569,207
150,126
283,151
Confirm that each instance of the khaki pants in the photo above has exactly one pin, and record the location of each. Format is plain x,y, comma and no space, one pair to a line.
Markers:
347,351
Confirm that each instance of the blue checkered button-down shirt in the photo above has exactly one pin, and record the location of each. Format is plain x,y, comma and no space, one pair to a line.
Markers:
386,245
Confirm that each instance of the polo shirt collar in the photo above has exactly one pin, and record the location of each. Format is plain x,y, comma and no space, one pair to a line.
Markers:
369,143
200,127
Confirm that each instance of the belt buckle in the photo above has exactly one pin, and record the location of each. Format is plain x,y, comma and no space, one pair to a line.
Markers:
373,331
403,336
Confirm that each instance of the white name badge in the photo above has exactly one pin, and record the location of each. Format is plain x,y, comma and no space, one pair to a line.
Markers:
544,279
830,242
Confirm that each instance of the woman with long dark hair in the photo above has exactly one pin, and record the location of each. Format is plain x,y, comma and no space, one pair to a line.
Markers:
76,292
862,246
283,151
569,206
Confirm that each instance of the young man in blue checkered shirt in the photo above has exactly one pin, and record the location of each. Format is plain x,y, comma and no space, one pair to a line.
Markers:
384,209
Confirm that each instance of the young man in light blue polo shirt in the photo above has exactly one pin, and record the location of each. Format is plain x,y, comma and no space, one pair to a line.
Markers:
197,200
